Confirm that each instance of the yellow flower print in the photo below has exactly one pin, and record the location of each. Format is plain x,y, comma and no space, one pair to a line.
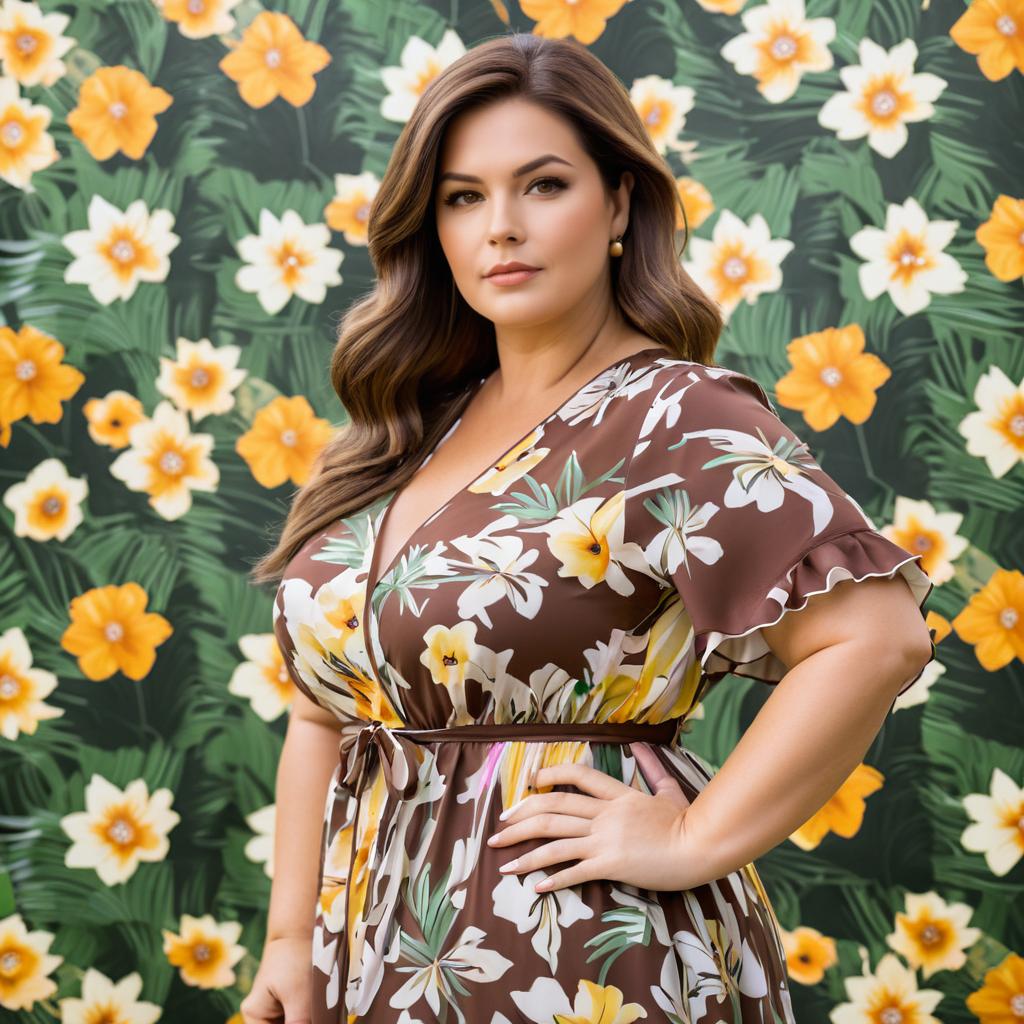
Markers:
844,811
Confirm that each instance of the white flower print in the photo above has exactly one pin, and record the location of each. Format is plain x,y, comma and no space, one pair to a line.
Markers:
544,915
466,960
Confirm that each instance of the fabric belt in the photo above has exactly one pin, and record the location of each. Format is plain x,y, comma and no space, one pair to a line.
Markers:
364,742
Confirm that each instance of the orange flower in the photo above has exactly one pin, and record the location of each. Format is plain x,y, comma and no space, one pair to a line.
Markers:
283,442
696,201
110,631
115,112
33,380
200,20
1002,237
832,376
999,997
586,20
273,59
844,811
808,954
994,620
112,417
940,624
993,30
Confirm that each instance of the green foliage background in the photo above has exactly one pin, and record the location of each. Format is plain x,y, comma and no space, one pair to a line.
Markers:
215,162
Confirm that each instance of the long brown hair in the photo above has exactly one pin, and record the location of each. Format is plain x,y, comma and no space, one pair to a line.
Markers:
408,353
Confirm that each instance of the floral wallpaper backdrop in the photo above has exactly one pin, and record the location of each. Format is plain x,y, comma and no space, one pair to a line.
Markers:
183,211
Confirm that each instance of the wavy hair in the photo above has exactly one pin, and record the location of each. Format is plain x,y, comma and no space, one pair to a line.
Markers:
408,353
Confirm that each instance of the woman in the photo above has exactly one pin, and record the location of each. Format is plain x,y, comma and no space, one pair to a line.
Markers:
551,526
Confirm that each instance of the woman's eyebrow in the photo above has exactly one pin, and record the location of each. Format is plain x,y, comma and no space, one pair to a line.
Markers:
518,172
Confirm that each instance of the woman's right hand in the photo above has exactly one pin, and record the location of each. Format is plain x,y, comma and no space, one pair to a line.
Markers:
282,988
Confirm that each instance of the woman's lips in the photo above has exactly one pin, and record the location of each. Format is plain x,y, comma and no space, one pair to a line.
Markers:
512,277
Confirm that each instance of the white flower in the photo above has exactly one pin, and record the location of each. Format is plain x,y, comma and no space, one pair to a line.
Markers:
263,678
22,688
260,848
26,964
349,210
996,430
202,379
47,503
893,986
119,828
465,961
921,529
287,258
780,44
542,915
663,106
25,145
740,262
998,816
120,249
906,259
933,934
419,64
31,44
102,1000
883,94
167,461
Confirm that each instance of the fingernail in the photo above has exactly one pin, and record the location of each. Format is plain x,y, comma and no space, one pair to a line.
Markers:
507,813
510,866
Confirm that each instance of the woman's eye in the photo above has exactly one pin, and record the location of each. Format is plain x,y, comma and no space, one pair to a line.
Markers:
451,199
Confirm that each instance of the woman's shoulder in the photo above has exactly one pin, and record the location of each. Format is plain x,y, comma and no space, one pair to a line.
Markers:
672,379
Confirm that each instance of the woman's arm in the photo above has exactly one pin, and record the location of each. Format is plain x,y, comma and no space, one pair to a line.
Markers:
849,650
308,759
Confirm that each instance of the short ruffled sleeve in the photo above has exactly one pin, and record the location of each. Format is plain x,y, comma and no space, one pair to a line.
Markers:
732,510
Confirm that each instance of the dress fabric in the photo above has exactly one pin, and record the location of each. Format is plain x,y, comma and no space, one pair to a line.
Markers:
583,593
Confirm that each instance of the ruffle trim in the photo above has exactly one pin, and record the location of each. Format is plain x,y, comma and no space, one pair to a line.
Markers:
858,555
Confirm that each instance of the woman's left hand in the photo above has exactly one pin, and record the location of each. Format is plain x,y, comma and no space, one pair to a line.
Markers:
616,832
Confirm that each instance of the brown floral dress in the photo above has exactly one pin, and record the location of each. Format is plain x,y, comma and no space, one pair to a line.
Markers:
584,592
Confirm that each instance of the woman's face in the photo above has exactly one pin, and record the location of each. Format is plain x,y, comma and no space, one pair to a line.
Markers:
556,215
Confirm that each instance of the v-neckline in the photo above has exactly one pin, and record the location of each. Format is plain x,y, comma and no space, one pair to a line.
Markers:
373,577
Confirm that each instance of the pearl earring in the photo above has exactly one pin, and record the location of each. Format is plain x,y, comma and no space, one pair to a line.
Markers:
615,248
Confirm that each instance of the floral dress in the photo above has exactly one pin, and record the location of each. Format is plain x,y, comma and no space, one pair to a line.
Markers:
583,593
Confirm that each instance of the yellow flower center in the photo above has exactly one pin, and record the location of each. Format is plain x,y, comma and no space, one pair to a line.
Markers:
922,542
908,257
10,687
289,438
832,376
171,463
1017,425
363,214
783,47
1017,1004
273,58
26,42
121,832
201,952
25,370
653,115
113,631
123,251
12,133
883,103
735,268
10,961
891,1015
52,506
1006,25
282,675
118,109
930,935
196,6
1008,618
200,377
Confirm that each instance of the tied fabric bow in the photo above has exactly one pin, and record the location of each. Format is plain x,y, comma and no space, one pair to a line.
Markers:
363,741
